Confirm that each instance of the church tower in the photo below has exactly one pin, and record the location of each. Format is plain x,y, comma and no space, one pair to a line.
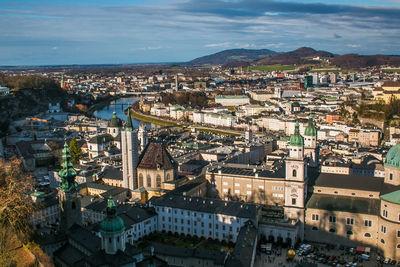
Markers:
112,230
129,149
310,143
68,193
142,136
296,180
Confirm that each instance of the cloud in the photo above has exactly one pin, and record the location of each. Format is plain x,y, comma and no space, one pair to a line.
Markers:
354,45
161,30
336,36
225,44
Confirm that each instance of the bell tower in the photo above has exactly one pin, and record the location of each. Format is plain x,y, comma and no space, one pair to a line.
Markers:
68,193
129,149
310,143
296,180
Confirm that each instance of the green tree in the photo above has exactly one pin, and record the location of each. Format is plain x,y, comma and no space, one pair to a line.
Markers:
75,149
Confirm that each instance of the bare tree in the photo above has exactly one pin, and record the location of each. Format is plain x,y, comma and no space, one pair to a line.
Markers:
15,208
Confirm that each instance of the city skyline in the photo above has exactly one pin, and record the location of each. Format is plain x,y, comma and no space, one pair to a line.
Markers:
119,32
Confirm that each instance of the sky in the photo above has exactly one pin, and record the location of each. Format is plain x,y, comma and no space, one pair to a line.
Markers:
57,32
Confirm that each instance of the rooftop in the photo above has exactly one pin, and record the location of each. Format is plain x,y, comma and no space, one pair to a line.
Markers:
215,206
342,203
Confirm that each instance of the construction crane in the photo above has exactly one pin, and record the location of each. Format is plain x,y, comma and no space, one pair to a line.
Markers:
31,121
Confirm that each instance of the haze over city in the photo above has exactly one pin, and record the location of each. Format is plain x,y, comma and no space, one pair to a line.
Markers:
113,32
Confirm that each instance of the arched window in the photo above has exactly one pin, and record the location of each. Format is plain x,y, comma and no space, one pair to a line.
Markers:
398,245
158,181
332,230
294,173
367,235
148,181
349,232
140,180
382,241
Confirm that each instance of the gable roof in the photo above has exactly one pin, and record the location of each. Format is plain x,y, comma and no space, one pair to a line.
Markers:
155,156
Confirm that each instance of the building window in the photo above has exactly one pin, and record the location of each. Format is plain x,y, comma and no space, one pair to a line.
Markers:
368,223
383,229
148,181
293,201
398,245
350,221
385,213
158,181
398,233
168,176
315,217
332,230
391,176
294,173
383,241
349,232
367,235
314,228
332,219
140,180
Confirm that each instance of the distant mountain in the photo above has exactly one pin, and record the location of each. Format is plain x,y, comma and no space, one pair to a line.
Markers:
232,55
304,55
355,61
298,56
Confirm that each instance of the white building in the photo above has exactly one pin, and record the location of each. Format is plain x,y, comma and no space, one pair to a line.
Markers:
232,100
200,217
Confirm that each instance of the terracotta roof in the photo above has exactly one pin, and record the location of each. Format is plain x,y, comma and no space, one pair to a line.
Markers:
155,156
391,84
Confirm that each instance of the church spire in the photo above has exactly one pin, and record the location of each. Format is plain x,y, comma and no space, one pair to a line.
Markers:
129,125
67,173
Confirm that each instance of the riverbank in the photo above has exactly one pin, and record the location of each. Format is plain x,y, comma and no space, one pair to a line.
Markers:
151,119
154,120
102,105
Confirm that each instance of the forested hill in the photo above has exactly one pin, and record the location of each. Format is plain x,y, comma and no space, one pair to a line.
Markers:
31,94
232,55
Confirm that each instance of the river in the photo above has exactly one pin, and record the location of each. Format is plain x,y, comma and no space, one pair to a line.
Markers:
118,106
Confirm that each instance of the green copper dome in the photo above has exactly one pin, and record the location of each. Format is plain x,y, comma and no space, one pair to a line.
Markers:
310,129
115,122
393,156
296,139
112,224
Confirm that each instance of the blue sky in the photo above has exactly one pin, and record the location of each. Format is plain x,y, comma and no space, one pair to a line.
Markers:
40,32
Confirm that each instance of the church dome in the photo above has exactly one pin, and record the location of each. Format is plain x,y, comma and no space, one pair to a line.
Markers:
296,139
393,156
115,122
310,129
112,224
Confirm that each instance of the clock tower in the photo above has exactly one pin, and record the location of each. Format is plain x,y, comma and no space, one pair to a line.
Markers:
296,180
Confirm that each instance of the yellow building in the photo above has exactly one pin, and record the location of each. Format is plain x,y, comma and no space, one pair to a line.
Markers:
358,210
388,91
